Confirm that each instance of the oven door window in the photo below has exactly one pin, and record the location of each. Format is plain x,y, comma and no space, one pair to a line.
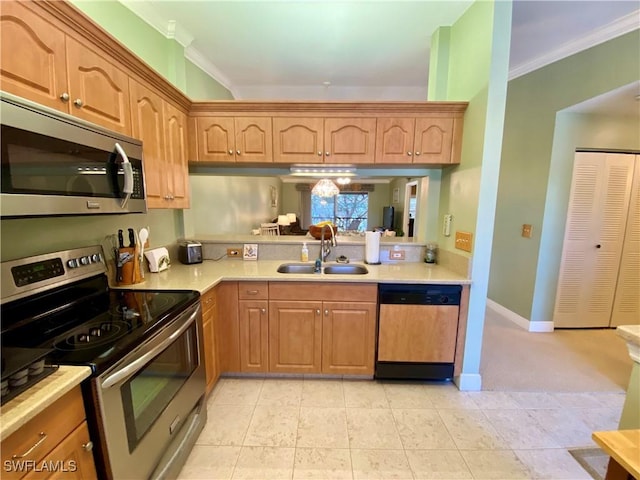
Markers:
146,394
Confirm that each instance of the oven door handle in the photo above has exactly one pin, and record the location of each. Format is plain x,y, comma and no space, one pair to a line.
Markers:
124,373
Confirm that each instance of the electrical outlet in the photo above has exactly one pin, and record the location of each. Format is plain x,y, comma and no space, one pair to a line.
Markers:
527,230
233,252
396,254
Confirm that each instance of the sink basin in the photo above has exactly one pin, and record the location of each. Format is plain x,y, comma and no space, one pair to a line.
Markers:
296,268
346,269
353,269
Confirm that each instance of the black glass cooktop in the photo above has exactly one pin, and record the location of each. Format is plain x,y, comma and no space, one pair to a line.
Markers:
87,324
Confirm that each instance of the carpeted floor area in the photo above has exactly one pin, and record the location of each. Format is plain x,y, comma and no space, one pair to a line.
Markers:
585,360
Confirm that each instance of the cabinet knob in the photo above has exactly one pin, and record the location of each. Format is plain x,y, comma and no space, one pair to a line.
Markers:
326,313
417,153
230,152
319,154
409,153
598,246
166,197
237,152
317,311
87,447
64,97
326,154
78,103
263,310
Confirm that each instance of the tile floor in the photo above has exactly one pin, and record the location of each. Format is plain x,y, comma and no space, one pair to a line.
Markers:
349,429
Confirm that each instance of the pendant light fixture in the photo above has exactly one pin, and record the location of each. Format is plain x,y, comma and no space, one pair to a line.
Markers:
325,188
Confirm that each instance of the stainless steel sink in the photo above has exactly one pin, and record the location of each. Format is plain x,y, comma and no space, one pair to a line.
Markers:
296,268
349,269
346,269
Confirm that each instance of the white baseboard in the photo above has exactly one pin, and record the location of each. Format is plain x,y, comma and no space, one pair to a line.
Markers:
468,382
518,319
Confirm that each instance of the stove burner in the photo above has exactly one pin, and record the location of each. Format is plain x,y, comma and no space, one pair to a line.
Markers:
94,335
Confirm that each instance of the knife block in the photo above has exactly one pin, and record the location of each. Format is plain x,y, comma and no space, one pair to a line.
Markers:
129,272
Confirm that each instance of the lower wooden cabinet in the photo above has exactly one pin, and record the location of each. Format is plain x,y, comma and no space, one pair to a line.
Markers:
348,338
295,336
54,444
254,335
209,320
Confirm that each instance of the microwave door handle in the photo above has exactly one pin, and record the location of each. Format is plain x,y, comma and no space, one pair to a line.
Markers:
128,175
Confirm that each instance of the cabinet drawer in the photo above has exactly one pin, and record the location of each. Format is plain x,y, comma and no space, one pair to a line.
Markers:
324,291
253,290
46,430
208,300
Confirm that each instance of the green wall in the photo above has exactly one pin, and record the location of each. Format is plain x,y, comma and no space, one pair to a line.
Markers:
477,73
200,86
526,173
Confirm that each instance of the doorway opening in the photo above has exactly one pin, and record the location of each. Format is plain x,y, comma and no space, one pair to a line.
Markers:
410,208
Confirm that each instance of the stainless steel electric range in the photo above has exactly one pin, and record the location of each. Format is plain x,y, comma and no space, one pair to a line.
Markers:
145,397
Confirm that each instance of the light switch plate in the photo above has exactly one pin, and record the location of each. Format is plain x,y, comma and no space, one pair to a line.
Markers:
464,241
527,230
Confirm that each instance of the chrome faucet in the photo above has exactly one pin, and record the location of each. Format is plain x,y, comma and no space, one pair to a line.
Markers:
325,246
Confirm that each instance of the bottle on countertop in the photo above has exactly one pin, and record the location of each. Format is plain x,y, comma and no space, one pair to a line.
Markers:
304,253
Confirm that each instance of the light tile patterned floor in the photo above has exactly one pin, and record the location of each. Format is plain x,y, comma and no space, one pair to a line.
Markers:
348,429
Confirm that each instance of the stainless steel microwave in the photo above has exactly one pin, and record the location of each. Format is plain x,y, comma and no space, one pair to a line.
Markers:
56,164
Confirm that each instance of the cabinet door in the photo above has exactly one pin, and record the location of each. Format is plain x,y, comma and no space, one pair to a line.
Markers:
348,338
75,450
394,140
215,139
254,139
177,177
433,140
209,319
99,90
295,337
349,140
254,335
147,125
417,333
298,140
33,57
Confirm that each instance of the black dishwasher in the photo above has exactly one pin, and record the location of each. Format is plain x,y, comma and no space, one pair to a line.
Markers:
417,331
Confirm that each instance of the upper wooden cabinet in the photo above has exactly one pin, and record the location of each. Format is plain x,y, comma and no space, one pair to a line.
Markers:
323,140
42,63
162,129
228,139
363,133
423,140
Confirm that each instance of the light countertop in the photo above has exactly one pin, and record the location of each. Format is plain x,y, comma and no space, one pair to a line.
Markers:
631,334
19,410
203,276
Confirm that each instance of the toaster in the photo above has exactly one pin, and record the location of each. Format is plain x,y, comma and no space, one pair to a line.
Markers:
190,252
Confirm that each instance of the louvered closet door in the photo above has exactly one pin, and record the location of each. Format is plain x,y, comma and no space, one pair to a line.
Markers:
593,240
626,306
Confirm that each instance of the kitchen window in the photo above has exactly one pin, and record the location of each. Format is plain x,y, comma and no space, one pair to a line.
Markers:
348,210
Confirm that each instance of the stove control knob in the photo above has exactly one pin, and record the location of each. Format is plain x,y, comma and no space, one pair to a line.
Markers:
73,263
96,258
85,260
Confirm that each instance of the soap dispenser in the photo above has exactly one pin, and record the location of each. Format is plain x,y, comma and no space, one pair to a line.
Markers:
304,253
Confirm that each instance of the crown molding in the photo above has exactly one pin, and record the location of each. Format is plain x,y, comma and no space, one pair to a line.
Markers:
619,27
167,28
196,56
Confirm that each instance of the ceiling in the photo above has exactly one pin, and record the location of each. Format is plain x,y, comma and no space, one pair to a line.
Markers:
361,49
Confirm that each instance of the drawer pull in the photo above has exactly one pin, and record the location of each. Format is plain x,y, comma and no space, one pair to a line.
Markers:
87,447
253,292
43,437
